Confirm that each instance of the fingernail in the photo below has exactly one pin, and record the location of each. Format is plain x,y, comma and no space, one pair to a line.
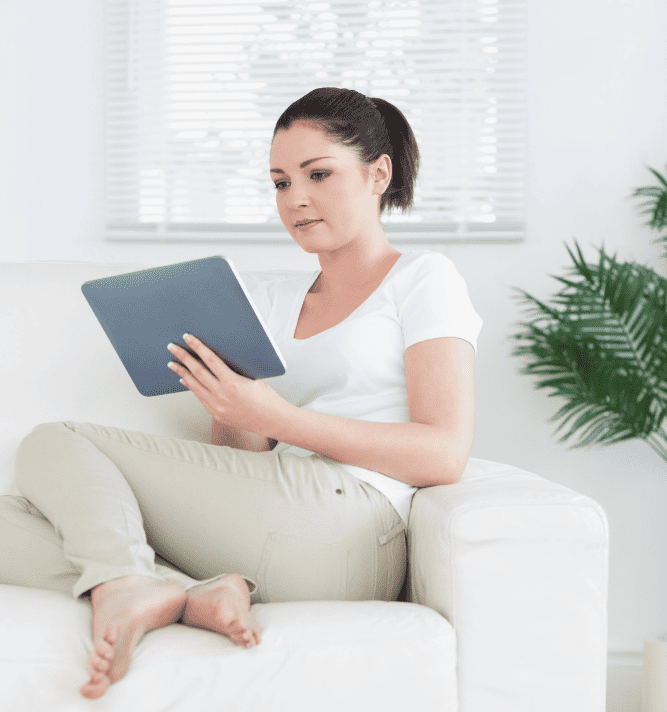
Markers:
187,337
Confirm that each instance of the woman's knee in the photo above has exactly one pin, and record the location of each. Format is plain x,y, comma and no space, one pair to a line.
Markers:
34,452
45,429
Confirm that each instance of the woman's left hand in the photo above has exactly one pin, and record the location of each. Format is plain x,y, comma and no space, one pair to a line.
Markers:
226,395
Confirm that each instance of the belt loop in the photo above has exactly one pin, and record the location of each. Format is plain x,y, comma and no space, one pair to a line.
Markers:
398,529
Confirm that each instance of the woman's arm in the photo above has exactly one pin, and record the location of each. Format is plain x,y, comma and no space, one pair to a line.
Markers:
223,434
432,449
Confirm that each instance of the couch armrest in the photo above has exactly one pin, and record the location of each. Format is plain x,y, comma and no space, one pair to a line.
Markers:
519,566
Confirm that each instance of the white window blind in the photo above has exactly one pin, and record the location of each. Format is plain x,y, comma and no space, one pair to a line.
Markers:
194,89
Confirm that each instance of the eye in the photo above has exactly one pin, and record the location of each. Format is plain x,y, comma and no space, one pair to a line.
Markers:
317,176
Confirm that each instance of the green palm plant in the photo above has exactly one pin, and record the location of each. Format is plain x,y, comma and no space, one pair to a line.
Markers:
602,345
656,207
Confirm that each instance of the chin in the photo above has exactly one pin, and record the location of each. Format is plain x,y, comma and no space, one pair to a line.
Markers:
310,240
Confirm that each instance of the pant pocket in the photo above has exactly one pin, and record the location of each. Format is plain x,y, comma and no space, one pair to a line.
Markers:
297,569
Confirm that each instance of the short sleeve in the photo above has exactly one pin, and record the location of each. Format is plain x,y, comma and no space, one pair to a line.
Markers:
436,303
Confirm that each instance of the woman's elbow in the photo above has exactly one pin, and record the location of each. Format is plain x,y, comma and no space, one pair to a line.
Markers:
448,472
447,478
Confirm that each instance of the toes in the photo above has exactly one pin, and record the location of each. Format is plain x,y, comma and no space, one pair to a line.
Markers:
242,633
104,646
245,638
98,666
224,609
100,658
237,633
95,687
111,636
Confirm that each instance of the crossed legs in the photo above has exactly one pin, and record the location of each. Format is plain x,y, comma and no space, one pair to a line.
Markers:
95,545
105,505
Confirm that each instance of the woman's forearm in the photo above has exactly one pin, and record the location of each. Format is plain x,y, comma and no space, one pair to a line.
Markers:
421,455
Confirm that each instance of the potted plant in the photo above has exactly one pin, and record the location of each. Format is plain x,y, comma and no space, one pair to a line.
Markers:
601,344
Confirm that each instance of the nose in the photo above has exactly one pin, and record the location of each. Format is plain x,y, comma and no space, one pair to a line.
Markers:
297,194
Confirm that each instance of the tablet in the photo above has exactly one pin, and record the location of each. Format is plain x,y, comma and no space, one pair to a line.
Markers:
141,312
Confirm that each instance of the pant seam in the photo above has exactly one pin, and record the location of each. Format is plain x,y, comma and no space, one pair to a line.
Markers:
177,459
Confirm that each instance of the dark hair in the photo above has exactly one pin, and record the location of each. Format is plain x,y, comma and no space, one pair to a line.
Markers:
370,126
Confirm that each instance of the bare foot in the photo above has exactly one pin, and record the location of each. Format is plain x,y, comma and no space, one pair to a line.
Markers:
124,609
223,606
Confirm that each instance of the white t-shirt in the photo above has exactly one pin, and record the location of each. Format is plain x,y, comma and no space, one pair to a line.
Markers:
356,369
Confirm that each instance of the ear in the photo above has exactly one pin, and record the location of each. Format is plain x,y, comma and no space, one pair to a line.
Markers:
380,169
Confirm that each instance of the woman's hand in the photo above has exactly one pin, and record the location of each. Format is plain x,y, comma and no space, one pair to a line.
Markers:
227,396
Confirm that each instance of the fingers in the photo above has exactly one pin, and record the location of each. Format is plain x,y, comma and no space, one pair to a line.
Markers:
190,363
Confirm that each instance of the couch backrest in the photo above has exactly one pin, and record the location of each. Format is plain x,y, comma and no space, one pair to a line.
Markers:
58,364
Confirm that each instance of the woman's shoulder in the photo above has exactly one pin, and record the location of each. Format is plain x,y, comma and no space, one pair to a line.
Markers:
428,276
419,264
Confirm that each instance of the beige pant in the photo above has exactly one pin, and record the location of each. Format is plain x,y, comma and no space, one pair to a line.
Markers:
101,502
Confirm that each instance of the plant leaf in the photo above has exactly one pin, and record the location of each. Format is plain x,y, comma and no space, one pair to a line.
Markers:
601,345
658,176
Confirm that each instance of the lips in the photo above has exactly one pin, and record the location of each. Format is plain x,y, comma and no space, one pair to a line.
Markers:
303,223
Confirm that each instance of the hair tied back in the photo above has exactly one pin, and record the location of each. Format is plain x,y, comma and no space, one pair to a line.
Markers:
346,116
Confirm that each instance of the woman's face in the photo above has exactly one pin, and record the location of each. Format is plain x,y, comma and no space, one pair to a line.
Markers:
322,184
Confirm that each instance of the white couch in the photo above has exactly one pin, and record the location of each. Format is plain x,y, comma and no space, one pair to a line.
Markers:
506,605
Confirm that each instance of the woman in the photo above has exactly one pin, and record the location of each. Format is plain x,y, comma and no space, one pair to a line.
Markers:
304,491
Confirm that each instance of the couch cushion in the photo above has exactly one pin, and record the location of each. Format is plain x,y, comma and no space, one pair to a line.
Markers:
325,656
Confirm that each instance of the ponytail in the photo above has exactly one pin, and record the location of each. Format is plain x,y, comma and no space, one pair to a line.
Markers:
404,156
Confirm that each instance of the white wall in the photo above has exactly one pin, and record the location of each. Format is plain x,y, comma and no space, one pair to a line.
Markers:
598,112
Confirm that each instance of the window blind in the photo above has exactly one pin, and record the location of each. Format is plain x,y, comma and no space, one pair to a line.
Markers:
194,88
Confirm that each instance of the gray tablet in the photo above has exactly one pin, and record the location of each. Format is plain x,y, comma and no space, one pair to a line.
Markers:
141,312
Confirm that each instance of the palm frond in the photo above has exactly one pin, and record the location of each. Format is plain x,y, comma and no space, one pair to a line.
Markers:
657,206
601,345
658,176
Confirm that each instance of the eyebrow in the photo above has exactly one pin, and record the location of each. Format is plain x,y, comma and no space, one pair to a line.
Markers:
303,165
